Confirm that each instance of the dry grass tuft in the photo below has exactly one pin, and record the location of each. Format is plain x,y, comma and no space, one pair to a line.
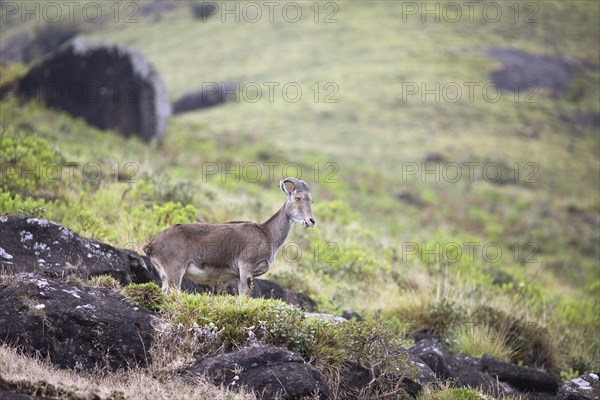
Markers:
37,376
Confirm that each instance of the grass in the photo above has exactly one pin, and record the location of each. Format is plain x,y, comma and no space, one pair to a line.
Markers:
455,394
372,251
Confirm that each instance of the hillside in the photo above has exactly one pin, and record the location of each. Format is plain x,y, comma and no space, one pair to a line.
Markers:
441,210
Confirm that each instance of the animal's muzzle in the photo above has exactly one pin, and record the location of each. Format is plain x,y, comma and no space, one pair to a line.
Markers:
307,223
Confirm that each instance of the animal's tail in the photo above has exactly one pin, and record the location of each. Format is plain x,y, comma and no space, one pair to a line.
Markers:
148,248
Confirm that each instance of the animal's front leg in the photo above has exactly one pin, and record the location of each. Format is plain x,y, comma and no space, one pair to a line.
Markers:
245,285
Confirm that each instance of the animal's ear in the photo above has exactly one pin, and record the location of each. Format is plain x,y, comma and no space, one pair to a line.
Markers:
287,186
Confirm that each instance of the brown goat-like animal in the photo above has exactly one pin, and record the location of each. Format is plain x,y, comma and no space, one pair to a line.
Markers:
212,253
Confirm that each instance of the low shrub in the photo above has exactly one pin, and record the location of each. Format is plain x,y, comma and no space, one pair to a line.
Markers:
28,163
239,321
146,295
16,205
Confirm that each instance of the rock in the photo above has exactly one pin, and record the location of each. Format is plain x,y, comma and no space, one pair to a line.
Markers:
91,329
417,336
111,87
268,370
423,376
409,198
211,94
353,379
203,10
492,376
521,378
40,390
434,157
32,244
527,72
352,315
537,396
157,7
459,371
584,387
270,290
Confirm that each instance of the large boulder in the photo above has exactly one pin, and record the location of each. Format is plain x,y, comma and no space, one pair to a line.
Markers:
268,370
32,244
109,86
90,329
584,387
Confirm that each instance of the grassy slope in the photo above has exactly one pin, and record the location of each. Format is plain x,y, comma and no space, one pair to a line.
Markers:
369,53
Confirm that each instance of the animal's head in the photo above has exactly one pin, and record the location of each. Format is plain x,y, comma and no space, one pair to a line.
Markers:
299,200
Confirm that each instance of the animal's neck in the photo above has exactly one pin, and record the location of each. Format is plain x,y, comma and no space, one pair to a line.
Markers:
278,227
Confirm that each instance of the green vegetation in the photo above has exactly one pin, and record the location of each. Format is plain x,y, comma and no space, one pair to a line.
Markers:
198,325
455,394
106,281
419,252
147,295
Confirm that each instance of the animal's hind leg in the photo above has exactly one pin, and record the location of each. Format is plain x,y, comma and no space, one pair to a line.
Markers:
164,279
170,276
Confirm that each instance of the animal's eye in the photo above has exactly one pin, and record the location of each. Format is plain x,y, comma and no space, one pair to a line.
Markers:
297,199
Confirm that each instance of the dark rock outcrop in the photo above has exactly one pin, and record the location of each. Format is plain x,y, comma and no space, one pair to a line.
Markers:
460,371
521,378
584,387
492,376
44,247
268,370
90,329
420,376
111,87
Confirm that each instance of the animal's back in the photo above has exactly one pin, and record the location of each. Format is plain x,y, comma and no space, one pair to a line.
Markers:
205,243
